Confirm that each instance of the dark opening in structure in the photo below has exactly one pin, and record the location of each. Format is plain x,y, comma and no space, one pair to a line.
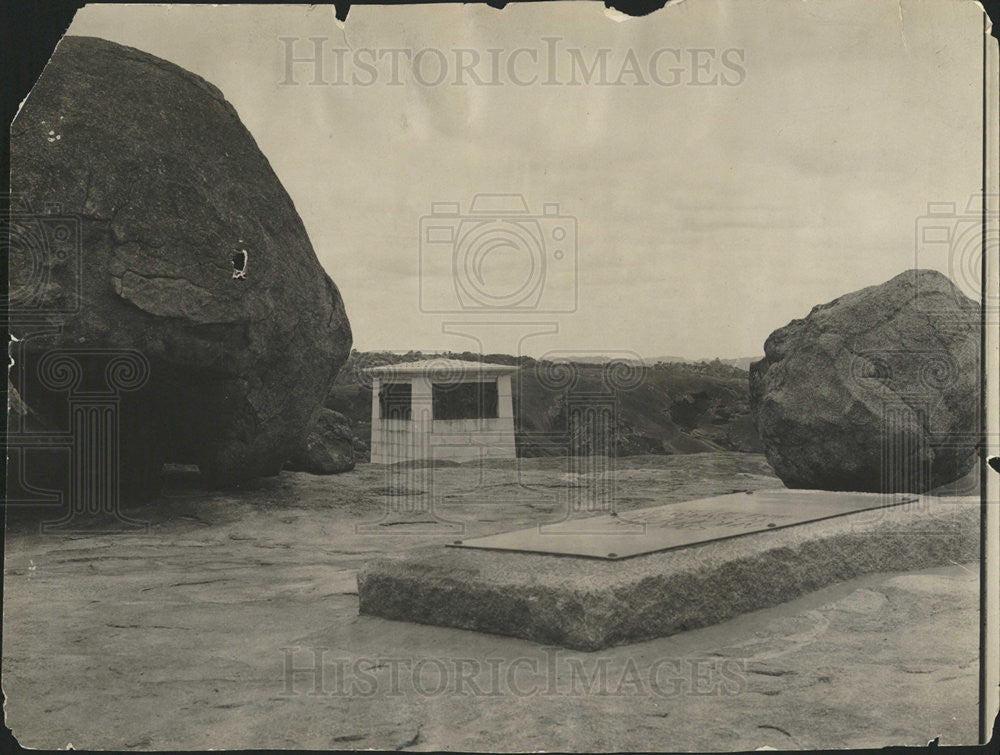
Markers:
394,401
474,400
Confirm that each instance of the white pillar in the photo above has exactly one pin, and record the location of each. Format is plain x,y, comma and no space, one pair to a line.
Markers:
422,411
505,400
378,439
505,413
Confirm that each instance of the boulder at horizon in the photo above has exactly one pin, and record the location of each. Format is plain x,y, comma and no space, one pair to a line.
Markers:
185,248
877,390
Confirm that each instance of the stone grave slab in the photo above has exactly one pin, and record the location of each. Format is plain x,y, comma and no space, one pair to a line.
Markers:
682,581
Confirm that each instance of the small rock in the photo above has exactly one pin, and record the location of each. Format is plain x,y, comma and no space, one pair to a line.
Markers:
328,446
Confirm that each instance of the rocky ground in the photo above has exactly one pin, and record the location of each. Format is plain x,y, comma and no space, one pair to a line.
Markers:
183,637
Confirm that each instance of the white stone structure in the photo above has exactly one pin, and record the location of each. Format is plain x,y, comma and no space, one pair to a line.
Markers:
442,409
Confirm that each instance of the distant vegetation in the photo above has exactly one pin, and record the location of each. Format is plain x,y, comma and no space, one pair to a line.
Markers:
660,408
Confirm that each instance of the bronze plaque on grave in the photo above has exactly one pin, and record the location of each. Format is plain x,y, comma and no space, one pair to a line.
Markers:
681,525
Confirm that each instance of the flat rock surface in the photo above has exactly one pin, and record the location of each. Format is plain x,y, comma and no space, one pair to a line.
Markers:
181,638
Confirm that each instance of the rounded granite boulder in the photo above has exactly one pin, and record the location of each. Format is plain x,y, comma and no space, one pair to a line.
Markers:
149,222
877,390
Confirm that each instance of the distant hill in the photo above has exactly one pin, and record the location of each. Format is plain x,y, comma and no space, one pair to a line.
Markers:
668,359
742,363
603,358
662,408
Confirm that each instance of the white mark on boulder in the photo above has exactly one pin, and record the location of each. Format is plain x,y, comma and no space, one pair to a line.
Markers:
10,349
240,259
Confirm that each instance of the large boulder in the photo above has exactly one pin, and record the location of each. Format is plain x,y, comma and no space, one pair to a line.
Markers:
328,446
148,221
878,390
32,468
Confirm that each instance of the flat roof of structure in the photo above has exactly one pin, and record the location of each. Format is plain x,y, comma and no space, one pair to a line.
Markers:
444,368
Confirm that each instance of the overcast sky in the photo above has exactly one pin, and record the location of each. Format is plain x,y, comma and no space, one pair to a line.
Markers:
707,214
